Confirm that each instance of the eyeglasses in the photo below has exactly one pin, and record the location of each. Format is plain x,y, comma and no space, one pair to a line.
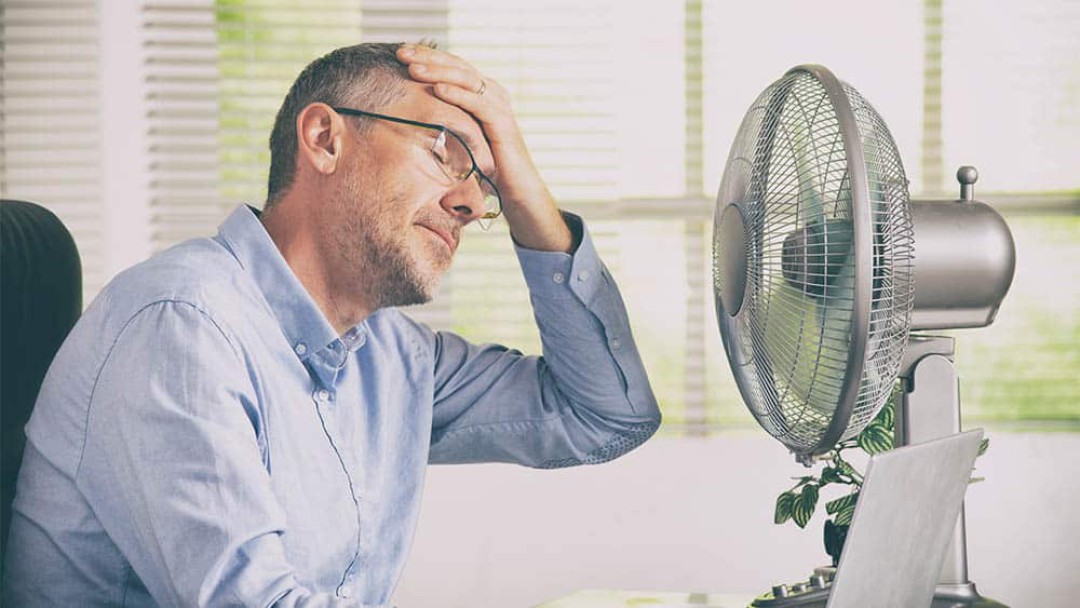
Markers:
454,159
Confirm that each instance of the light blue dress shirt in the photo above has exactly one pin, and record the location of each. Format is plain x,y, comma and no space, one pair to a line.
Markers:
204,437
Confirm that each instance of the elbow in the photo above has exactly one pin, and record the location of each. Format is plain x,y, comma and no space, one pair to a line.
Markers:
621,438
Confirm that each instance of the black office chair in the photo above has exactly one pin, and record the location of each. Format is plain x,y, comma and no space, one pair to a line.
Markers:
40,300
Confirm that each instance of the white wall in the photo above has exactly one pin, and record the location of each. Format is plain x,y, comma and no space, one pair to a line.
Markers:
696,515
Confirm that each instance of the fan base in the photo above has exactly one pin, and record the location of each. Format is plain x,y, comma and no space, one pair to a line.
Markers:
961,596
811,596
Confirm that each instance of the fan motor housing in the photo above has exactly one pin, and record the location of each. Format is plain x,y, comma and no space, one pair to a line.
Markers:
731,259
965,259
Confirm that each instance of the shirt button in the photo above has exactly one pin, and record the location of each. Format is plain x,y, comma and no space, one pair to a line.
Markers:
300,348
346,591
615,343
559,277
323,394
583,276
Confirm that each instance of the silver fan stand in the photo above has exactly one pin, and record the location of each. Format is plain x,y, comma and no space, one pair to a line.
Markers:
965,260
930,408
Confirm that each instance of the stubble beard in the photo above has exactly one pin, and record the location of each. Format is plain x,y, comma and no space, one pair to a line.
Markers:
373,241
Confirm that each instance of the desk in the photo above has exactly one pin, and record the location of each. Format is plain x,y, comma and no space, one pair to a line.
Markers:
644,599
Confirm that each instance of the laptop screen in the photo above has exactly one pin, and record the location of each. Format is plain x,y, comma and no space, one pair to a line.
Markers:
903,523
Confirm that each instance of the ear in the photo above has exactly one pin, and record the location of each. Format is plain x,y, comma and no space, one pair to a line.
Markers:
319,138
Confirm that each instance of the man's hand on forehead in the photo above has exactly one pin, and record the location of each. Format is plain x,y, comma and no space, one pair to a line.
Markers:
459,83
432,65
529,208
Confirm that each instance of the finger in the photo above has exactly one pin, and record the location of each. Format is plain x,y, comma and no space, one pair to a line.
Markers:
468,79
494,118
419,53
466,99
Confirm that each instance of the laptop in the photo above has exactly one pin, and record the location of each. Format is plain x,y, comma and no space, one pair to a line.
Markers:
903,523
902,527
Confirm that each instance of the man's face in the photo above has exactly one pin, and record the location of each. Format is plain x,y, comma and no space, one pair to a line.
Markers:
397,220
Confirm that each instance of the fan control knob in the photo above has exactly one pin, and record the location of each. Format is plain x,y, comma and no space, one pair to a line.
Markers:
966,260
967,176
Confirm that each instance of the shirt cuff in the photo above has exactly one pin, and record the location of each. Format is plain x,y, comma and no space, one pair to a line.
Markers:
554,274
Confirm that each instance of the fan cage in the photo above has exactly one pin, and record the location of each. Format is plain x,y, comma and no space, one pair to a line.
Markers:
793,340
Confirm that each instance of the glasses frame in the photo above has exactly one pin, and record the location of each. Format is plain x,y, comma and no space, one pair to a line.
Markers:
488,215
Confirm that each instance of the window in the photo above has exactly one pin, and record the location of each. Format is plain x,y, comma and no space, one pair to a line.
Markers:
629,110
49,130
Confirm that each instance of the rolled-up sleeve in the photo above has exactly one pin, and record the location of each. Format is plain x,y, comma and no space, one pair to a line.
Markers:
586,400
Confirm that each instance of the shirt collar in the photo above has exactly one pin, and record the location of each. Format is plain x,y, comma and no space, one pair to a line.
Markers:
301,320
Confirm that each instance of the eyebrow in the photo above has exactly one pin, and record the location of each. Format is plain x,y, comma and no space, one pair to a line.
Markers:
474,147
465,136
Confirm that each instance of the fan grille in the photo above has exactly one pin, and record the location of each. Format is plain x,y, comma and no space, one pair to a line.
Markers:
797,343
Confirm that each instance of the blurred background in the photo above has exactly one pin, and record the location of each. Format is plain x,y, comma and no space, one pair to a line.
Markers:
144,122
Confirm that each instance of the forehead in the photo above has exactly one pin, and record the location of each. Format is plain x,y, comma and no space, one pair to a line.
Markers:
420,103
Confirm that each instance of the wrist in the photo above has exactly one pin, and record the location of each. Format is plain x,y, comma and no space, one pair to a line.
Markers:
538,224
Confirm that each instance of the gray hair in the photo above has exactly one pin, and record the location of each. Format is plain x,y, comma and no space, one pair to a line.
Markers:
367,76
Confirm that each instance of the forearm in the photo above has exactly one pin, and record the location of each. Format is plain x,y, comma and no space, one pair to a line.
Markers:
531,213
587,400
540,227
587,340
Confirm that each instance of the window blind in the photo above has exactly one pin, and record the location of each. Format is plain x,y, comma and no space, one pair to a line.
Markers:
1011,74
629,111
50,142
217,74
1010,105
957,84
544,54
599,91
182,87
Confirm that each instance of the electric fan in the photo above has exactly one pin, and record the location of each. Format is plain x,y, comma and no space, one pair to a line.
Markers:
822,266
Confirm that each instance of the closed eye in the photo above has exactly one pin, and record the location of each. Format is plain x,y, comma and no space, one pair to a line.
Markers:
438,148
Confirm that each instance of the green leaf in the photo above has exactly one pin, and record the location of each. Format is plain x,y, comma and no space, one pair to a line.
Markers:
830,475
844,515
876,439
834,540
846,468
833,506
985,443
784,505
886,416
803,507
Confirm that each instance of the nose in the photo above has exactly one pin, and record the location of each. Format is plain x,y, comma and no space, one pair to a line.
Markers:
465,201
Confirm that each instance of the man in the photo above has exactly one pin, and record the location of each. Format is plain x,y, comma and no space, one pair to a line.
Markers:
246,420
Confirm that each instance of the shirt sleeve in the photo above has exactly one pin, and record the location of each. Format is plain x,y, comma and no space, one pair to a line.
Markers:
586,400
173,470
